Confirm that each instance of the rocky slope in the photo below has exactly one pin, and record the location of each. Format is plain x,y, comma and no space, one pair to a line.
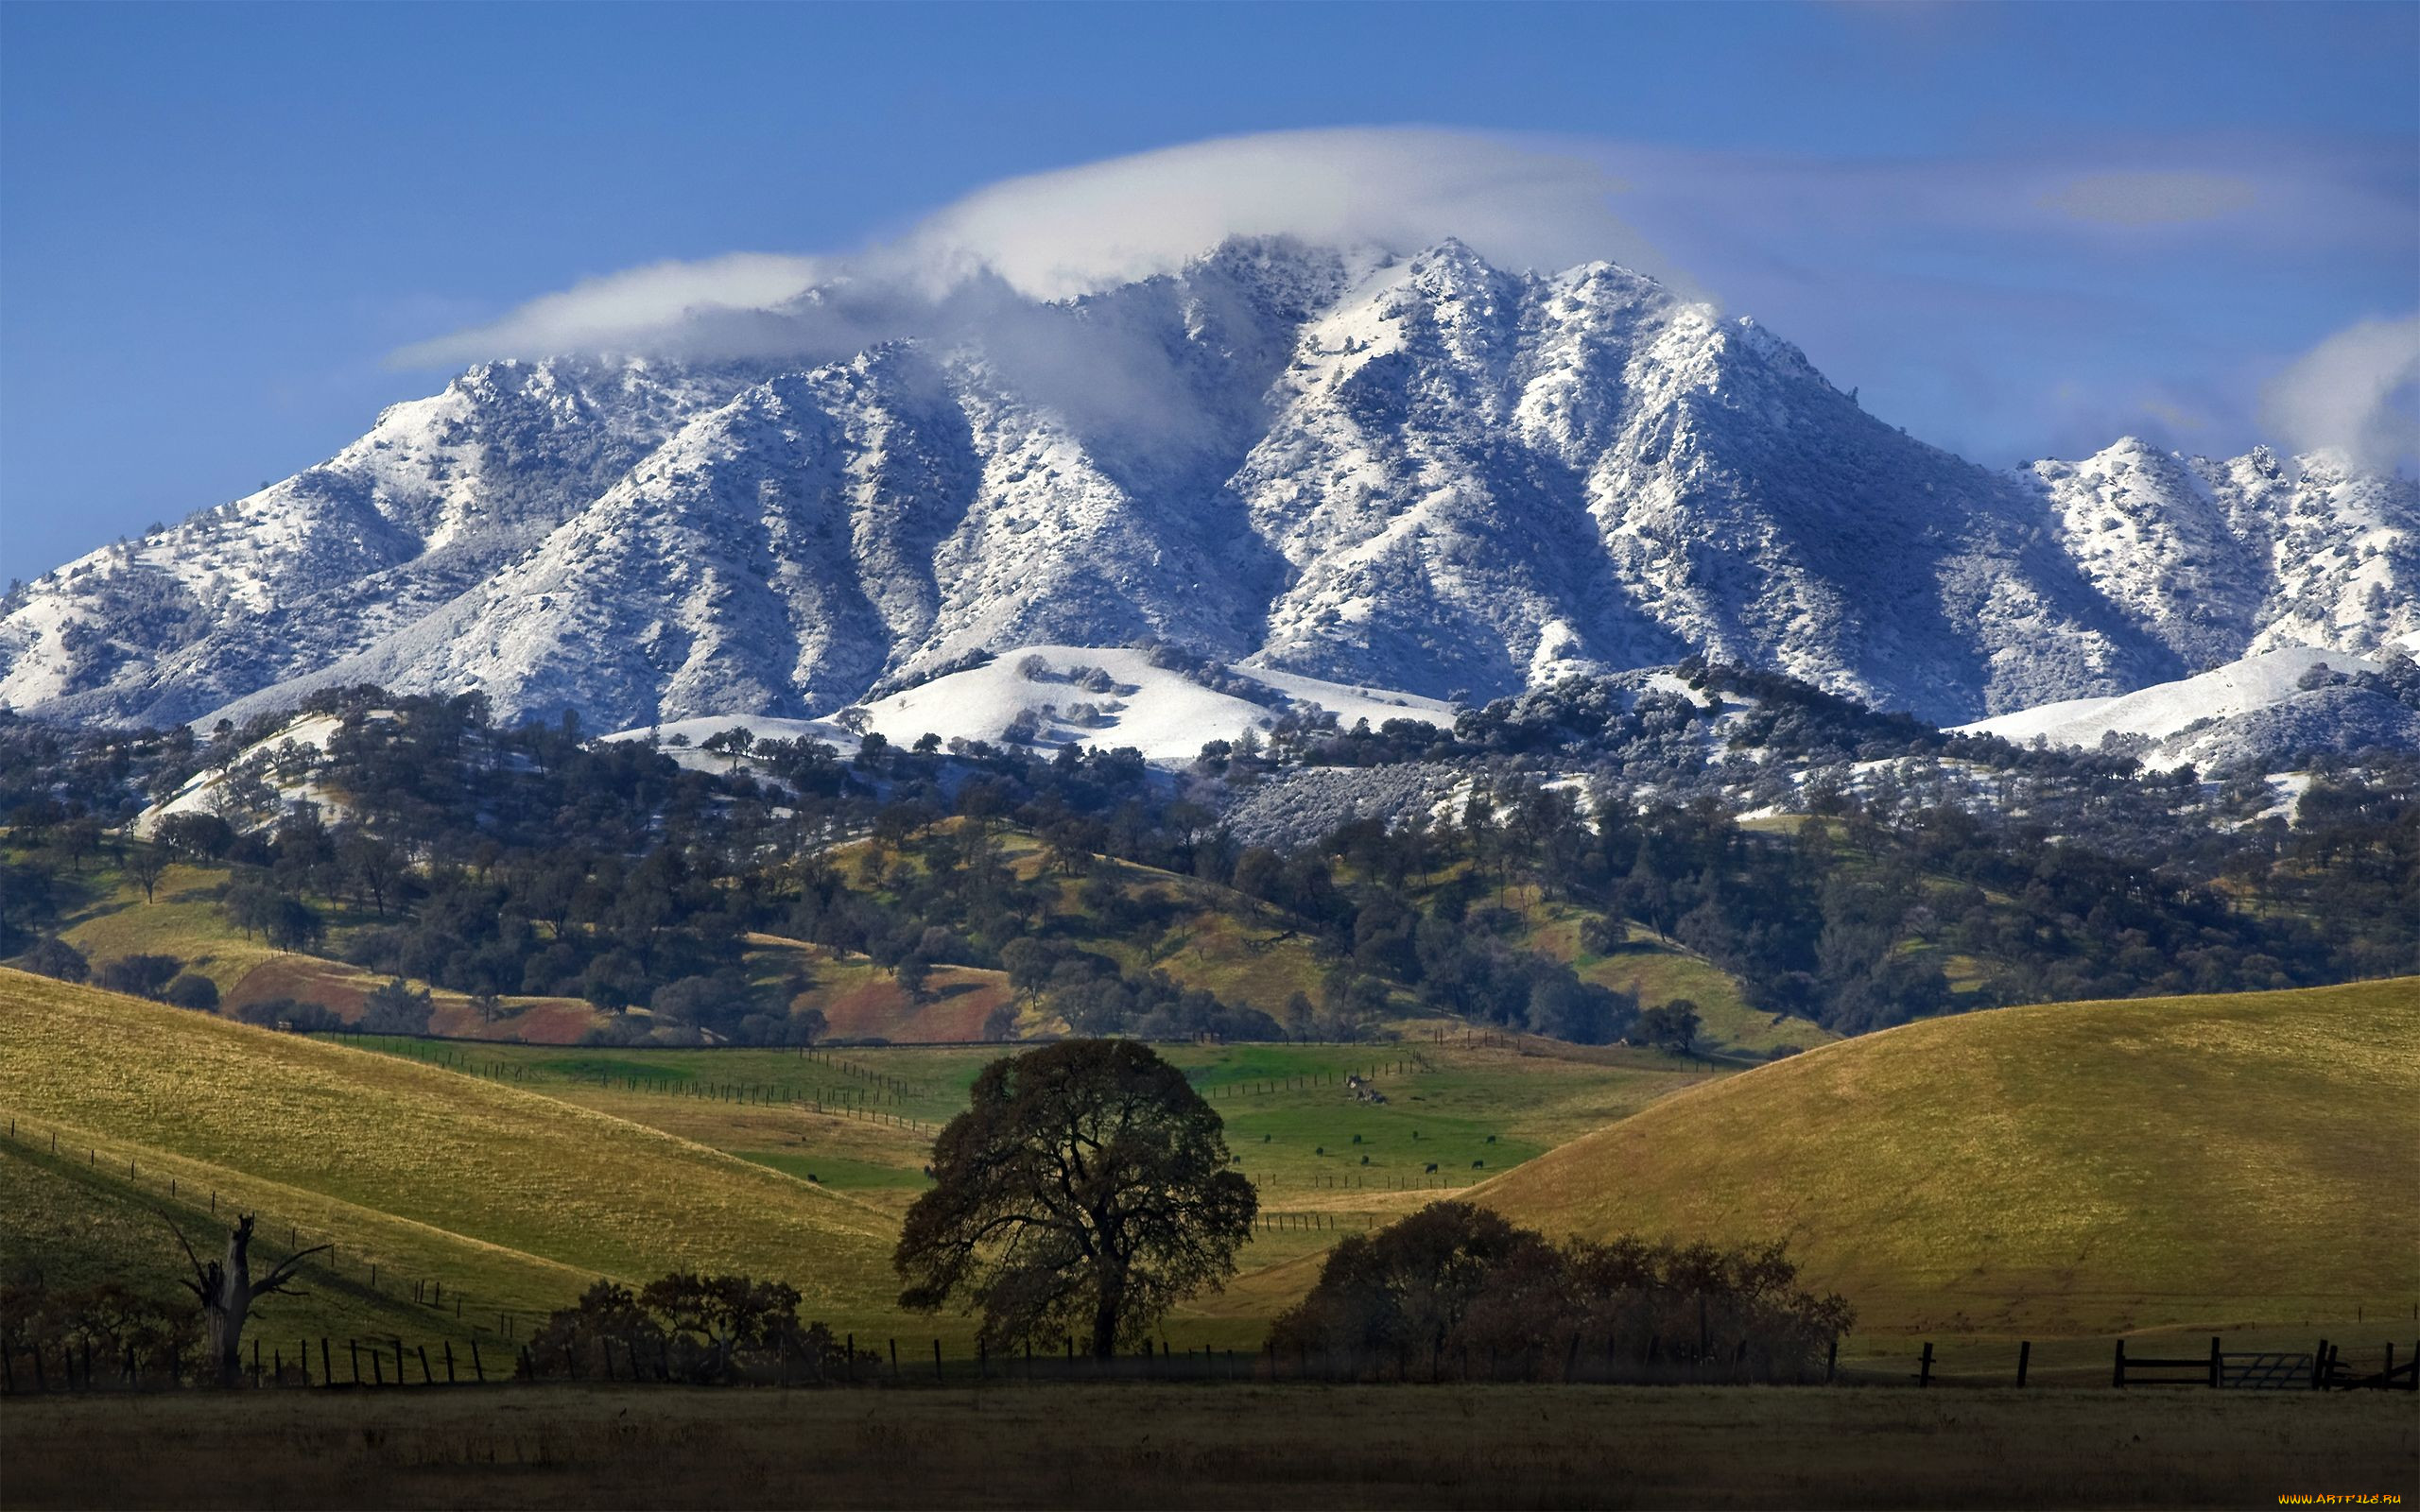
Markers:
1420,473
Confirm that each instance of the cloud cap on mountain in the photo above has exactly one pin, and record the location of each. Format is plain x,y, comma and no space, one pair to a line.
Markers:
1075,231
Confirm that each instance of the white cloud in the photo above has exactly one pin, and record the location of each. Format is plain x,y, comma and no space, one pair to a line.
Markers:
625,311
1055,234
2356,392
1959,292
1052,235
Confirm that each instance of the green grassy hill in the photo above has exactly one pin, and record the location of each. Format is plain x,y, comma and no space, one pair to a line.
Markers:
1658,971
2061,1169
514,1198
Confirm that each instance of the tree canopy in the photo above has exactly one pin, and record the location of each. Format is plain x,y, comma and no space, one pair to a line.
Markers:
1086,1190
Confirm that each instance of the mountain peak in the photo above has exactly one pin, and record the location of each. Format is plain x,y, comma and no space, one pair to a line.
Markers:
1422,472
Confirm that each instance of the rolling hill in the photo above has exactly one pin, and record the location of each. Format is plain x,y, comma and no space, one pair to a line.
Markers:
2060,1169
515,1198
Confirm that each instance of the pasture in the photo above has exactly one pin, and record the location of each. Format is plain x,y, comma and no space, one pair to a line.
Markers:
517,1173
2058,1170
517,1199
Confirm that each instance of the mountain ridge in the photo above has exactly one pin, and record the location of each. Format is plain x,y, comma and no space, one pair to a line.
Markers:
1422,472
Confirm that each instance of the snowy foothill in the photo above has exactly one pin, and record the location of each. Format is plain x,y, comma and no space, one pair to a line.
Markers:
1050,696
310,732
2168,709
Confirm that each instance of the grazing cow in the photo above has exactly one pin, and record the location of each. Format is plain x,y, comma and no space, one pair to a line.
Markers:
1433,1168
1477,1164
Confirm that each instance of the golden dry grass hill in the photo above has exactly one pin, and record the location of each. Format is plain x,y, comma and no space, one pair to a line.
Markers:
2069,1168
517,1198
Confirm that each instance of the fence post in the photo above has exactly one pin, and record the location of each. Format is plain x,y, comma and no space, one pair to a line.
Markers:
2118,1372
2214,1361
2318,1367
982,1359
1924,1367
849,1366
327,1372
936,1360
377,1373
2024,1354
449,1362
399,1359
1831,1359
479,1368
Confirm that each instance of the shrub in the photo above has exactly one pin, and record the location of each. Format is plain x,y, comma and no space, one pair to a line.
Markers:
144,976
54,957
294,1017
705,1330
1454,1279
198,993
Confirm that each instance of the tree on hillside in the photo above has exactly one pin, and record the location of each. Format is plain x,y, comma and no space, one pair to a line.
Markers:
140,975
227,1291
196,836
145,863
54,957
1674,1026
1088,1188
392,1007
732,743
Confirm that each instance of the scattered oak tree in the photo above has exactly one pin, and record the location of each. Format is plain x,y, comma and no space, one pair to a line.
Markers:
1087,1190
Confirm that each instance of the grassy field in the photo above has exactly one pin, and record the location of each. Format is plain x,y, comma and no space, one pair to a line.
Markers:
1227,1446
512,1197
2233,1163
1470,1108
518,1173
2067,1169
1657,972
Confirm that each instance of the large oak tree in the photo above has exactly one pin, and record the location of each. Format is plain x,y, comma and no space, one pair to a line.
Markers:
1087,1190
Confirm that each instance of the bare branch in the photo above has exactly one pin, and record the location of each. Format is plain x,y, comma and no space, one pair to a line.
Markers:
191,1259
275,1283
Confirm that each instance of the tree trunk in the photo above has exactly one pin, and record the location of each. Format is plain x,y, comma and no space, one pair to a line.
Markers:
231,1304
1105,1318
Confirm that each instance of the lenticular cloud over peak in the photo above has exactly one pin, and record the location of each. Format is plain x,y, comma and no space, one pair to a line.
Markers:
1053,235
1056,236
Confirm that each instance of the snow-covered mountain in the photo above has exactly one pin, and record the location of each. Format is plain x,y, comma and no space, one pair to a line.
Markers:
1420,473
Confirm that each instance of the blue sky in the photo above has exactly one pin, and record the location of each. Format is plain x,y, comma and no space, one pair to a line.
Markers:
2019,231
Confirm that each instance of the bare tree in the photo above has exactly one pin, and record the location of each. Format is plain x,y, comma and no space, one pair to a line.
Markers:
145,865
227,1291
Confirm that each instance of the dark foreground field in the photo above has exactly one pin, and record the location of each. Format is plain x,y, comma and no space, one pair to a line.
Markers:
1236,1446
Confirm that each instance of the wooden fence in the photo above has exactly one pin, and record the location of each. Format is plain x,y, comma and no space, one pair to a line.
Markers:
76,1364
348,1264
